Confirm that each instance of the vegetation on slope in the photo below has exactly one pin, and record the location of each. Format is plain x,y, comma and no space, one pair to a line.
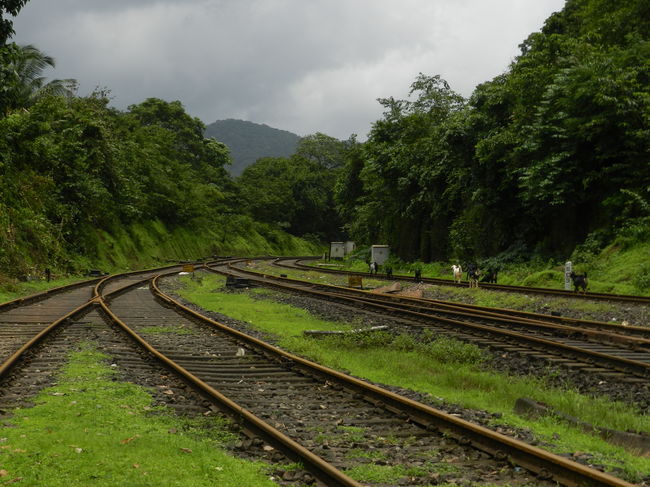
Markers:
537,160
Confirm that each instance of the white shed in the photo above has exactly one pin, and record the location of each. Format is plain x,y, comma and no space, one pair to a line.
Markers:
350,247
337,250
379,253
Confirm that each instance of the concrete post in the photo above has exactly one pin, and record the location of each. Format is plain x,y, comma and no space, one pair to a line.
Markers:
568,267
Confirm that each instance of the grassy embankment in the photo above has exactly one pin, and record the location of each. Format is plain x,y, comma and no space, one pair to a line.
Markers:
89,429
141,246
446,371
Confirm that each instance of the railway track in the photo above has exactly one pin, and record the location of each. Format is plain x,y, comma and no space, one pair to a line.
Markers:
326,420
634,332
620,298
24,322
613,353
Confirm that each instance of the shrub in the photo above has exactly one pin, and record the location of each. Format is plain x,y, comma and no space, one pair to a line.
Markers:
450,350
404,342
642,278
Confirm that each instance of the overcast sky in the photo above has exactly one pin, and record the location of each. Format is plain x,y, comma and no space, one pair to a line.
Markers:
305,66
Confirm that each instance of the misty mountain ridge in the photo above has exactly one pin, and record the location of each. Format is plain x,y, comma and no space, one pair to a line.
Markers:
249,141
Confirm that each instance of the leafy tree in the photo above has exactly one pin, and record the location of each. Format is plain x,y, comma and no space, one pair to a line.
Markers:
10,7
537,159
188,162
71,164
294,193
28,85
405,172
322,149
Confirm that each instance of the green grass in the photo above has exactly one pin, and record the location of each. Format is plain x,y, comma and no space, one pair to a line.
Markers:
282,319
485,297
153,244
370,472
463,380
92,430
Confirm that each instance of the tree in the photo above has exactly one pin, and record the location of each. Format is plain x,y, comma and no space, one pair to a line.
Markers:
294,193
322,149
11,7
406,171
28,64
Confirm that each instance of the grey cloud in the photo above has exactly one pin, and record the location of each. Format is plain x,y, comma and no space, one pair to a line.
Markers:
298,65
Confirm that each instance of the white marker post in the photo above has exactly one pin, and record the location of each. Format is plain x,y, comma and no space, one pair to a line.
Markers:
568,267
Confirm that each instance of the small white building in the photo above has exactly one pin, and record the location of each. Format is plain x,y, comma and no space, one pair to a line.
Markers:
337,250
350,247
379,253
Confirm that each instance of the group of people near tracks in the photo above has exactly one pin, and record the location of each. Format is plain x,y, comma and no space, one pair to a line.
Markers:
475,275
374,269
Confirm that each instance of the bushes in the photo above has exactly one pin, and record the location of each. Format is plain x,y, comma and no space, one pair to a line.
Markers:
641,279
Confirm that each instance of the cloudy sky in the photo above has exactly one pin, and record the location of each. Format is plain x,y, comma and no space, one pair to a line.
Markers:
300,65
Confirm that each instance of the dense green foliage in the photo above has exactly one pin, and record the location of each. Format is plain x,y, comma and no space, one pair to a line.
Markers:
534,162
297,192
73,165
84,185
250,141
10,7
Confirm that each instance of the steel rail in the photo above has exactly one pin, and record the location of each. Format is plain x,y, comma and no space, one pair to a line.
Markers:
635,367
627,330
82,309
589,329
32,298
11,361
321,469
635,336
497,287
541,462
8,364
42,295
509,320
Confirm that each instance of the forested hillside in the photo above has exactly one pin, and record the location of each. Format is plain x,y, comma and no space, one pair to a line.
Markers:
250,141
83,184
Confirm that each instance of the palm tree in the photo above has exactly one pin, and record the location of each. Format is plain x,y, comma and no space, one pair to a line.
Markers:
28,65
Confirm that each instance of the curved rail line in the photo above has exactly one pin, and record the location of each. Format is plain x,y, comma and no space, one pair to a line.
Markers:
532,458
545,464
497,287
574,324
620,353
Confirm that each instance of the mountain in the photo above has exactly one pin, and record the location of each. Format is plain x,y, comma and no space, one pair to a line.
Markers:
249,141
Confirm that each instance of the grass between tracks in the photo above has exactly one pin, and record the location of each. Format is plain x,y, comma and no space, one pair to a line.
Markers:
447,371
92,430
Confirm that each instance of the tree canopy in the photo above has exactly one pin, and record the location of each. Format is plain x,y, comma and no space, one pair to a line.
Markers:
534,161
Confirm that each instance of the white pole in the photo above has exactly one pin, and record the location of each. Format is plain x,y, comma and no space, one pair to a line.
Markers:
567,275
